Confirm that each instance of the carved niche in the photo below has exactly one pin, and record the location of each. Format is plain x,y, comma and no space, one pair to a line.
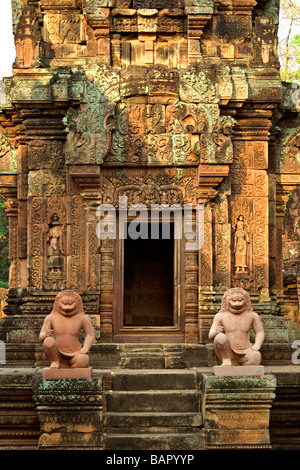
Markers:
28,39
47,243
55,246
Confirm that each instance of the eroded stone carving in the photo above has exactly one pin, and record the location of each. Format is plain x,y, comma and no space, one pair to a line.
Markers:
89,128
8,156
89,133
28,39
290,157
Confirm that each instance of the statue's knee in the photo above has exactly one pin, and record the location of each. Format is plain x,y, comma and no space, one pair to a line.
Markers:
49,342
80,360
255,358
221,339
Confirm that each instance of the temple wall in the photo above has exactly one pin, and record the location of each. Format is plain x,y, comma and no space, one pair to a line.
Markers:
160,102
156,102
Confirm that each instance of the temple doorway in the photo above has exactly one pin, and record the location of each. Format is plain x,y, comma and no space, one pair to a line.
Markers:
148,286
149,282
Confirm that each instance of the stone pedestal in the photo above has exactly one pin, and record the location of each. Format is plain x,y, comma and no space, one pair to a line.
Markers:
70,413
238,371
68,373
236,411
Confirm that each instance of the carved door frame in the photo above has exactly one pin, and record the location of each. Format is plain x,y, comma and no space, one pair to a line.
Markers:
151,334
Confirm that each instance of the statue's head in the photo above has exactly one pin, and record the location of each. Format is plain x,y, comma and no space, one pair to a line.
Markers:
236,300
68,303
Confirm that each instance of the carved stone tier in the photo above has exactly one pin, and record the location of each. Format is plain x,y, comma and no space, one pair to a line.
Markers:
238,418
60,401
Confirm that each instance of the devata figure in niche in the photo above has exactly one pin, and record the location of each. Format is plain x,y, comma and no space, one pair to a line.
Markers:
241,242
55,250
231,327
66,320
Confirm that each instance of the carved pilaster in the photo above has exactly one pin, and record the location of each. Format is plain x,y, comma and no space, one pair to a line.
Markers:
212,263
46,201
222,238
250,202
206,273
12,214
191,295
107,298
83,226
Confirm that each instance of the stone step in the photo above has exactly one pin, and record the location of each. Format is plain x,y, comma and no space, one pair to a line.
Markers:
159,400
154,380
148,356
139,422
136,356
189,441
153,410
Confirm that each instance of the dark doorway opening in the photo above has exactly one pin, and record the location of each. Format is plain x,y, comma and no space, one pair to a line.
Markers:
149,281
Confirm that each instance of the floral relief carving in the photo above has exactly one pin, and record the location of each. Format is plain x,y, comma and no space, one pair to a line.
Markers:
157,188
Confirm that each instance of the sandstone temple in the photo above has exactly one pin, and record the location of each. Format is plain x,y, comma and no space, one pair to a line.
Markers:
160,102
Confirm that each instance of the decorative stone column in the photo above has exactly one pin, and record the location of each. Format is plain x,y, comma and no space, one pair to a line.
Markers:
236,411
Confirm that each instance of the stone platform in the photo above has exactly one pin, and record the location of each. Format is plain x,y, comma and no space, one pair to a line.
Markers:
150,409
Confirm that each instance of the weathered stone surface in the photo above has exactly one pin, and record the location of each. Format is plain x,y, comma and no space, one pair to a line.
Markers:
19,423
285,413
70,413
236,411
153,410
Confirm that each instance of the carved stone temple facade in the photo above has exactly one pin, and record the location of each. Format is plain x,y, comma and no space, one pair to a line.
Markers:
164,102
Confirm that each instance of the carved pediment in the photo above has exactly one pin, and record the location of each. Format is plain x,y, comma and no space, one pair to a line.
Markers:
150,116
